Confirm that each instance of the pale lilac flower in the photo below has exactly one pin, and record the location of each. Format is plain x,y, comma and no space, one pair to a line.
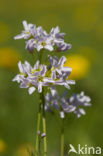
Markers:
59,73
31,77
63,46
30,45
57,37
44,43
43,135
40,39
66,105
37,77
29,30
79,100
24,70
57,65
54,101
39,43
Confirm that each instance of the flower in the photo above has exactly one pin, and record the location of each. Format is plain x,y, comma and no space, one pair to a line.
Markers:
58,65
29,30
30,44
66,105
79,100
59,73
54,101
31,77
57,37
40,75
39,39
44,43
63,46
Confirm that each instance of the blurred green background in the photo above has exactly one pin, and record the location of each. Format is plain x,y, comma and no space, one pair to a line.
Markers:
82,21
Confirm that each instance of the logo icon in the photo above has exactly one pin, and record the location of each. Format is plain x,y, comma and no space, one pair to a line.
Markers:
85,150
72,149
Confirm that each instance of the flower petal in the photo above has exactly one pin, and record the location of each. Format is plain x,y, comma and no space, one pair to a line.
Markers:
40,87
20,66
49,47
31,90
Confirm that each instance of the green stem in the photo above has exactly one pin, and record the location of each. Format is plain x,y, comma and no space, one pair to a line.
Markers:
37,147
62,138
44,127
45,140
38,137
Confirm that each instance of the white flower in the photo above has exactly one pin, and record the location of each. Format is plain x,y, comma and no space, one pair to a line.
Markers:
59,73
58,65
24,70
63,46
65,104
57,37
32,77
40,39
29,30
44,43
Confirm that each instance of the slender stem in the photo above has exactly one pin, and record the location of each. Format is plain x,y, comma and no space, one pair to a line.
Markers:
38,130
42,103
45,140
62,138
44,126
38,137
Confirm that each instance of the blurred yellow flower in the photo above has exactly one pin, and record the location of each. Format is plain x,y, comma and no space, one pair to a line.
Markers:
4,32
24,150
9,57
2,146
79,64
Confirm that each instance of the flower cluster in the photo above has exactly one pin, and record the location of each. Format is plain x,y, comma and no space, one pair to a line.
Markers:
42,75
55,73
37,38
66,105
